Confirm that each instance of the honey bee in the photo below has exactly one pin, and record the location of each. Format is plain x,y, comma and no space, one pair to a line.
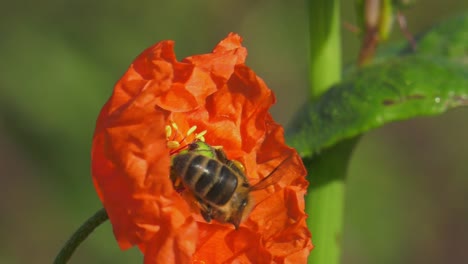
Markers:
218,184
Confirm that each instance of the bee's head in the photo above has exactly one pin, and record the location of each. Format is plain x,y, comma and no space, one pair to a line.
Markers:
240,213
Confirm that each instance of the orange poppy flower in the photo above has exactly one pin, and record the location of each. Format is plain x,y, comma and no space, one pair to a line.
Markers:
160,106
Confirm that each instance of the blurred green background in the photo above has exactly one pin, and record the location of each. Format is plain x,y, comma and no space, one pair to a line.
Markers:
408,186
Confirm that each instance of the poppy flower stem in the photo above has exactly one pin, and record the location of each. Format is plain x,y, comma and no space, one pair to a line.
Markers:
325,45
80,235
325,199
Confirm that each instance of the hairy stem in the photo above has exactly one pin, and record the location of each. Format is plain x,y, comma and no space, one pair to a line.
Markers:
80,235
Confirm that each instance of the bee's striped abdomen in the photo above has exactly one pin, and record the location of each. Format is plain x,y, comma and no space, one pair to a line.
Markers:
207,178
223,189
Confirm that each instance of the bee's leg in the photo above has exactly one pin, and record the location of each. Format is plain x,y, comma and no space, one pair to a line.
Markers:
206,215
233,164
206,211
176,182
220,155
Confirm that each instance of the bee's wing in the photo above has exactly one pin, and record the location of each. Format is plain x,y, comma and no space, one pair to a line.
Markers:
274,176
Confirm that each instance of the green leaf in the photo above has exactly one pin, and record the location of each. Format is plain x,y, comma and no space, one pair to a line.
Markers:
425,83
448,40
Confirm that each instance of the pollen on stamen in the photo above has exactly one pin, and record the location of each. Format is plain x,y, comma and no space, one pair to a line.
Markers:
173,144
191,130
168,131
174,125
174,140
201,135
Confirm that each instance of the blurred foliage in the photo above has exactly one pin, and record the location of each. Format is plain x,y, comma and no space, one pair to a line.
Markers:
427,82
60,60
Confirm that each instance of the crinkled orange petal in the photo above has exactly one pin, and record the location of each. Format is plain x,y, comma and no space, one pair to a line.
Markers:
130,162
276,228
216,92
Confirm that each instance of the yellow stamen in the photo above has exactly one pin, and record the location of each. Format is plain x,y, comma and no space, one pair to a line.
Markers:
173,135
168,131
191,130
174,125
173,144
201,134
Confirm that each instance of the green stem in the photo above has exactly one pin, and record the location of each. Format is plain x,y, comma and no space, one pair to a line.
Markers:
325,198
325,45
80,235
325,201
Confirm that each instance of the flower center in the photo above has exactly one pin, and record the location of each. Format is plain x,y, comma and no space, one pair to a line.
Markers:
177,141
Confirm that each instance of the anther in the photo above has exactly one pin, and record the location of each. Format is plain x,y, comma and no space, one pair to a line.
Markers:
191,130
200,135
173,144
174,125
168,131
